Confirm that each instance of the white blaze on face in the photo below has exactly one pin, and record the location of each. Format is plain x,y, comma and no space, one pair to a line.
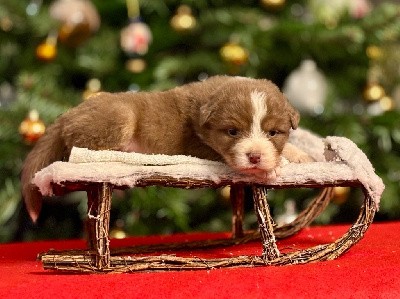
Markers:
256,143
259,106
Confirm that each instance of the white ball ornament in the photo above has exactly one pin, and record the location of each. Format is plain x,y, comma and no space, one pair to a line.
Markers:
306,88
136,38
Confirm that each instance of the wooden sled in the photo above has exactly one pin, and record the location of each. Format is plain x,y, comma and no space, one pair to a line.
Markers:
338,169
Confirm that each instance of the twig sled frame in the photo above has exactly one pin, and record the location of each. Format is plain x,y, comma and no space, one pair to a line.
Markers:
98,258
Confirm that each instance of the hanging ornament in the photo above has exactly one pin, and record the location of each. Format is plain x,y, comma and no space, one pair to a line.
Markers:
234,53
306,88
27,81
373,92
374,52
340,194
93,86
289,214
226,193
6,24
79,19
32,128
328,12
273,4
7,94
387,103
359,8
118,231
135,65
47,51
136,37
32,9
380,106
183,20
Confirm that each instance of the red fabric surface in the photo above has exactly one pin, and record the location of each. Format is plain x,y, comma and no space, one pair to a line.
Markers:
371,269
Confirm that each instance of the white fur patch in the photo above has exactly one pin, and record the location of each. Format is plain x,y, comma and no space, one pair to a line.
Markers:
257,142
259,105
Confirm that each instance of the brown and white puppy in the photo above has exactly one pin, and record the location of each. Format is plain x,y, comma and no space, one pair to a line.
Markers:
244,122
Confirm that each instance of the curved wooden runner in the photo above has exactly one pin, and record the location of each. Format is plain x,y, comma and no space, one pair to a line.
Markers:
99,258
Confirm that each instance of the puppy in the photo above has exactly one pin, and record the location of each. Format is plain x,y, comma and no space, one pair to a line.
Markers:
244,122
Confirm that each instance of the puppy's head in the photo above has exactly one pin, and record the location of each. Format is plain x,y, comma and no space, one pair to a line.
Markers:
247,121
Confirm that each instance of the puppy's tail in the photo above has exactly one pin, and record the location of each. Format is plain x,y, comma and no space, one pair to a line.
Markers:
48,149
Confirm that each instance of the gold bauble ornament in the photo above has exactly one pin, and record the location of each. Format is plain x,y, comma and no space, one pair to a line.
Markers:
117,233
78,18
374,52
74,34
6,24
234,53
273,4
32,128
340,194
47,51
387,103
136,65
373,92
226,193
183,21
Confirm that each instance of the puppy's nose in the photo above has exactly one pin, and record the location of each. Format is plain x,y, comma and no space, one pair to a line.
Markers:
254,158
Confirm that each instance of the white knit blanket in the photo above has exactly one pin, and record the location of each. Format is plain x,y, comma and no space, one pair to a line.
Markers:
337,159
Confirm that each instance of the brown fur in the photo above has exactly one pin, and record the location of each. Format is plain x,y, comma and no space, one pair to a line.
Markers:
189,120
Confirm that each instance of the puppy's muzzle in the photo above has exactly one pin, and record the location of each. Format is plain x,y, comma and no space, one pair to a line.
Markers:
254,158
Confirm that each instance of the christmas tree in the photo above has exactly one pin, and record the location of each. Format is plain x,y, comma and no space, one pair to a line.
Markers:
337,61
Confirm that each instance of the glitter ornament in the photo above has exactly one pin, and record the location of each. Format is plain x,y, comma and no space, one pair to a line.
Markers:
32,128
183,20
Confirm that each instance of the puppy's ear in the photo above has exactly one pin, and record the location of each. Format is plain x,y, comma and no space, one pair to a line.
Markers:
205,113
294,116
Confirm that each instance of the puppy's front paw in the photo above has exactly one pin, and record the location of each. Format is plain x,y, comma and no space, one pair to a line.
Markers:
294,154
301,158
271,175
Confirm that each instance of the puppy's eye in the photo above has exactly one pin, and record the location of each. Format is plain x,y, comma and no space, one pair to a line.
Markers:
233,132
273,133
